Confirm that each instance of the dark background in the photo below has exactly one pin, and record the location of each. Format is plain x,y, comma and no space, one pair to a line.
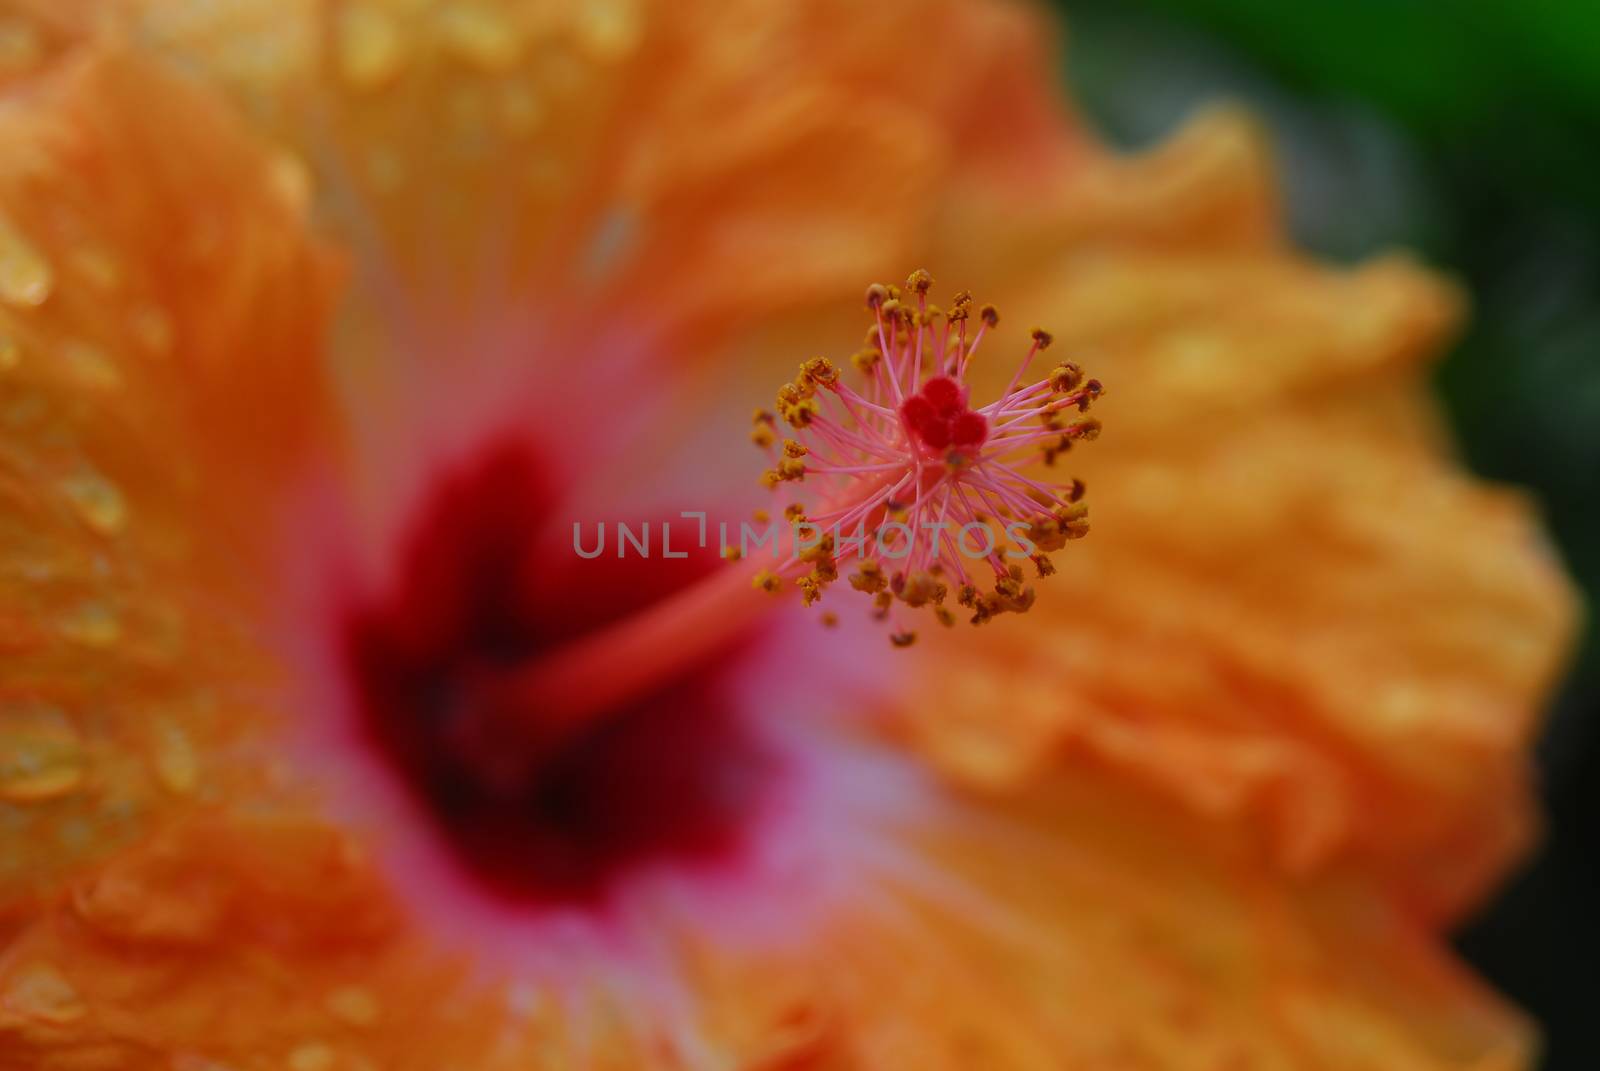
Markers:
1468,131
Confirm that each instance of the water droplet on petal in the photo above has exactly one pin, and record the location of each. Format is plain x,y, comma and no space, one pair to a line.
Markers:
385,170
173,756
481,36
564,75
152,328
41,755
41,992
97,501
20,47
25,276
98,266
91,625
292,179
521,109
186,1061
371,49
91,365
354,1005
608,29
312,1056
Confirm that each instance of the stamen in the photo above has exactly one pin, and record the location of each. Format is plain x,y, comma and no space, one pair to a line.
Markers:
912,483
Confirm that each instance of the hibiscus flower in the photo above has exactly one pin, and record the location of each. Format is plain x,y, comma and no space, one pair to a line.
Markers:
322,324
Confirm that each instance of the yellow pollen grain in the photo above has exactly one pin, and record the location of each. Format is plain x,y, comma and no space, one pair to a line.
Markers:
10,353
90,625
354,1005
173,757
40,992
26,278
97,502
370,47
481,36
41,755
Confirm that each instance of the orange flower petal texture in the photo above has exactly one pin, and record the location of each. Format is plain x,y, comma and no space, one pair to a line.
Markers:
162,375
1208,812
1296,613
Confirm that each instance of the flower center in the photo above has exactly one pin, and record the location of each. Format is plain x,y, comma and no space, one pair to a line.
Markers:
919,490
539,804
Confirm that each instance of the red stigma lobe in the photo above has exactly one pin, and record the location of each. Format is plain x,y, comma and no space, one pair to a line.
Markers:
938,416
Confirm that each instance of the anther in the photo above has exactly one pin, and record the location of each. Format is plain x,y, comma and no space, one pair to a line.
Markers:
1065,377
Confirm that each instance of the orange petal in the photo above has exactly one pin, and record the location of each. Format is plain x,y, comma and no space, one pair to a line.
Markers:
1293,612
1076,926
160,317
696,164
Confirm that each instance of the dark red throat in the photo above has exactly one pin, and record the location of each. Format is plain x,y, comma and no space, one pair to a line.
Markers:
488,582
